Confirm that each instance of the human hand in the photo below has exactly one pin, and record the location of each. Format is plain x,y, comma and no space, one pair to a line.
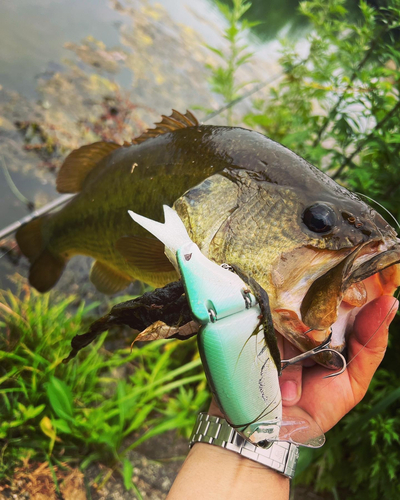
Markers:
328,400
229,475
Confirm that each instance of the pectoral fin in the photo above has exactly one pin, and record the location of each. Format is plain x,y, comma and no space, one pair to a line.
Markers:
106,279
146,254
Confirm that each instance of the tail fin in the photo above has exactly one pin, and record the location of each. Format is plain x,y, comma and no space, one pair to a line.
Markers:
46,268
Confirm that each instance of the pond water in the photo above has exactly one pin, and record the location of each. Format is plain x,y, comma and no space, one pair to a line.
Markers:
33,32
158,48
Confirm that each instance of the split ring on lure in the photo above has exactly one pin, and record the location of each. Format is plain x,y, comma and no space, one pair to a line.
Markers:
239,367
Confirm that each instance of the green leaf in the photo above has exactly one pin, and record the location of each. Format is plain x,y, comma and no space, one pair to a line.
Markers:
244,59
216,51
224,9
61,425
127,473
121,393
140,417
33,412
60,398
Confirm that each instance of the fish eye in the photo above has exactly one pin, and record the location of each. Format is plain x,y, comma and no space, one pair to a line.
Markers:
319,218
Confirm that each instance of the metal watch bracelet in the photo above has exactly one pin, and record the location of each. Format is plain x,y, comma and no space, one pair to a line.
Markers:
280,455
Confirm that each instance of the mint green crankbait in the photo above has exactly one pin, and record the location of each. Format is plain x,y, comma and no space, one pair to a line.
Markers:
235,356
236,359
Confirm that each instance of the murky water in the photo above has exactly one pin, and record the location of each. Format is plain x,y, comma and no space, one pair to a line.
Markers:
33,32
55,89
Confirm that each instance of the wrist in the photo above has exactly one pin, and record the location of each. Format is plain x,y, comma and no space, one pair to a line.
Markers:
229,475
214,472
214,410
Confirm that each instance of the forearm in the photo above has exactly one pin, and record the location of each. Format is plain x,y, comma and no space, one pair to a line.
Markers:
213,473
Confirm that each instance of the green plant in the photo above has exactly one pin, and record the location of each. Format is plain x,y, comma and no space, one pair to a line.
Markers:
339,108
223,78
85,410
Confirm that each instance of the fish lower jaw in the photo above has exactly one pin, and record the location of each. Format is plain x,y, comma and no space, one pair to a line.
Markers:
305,339
288,322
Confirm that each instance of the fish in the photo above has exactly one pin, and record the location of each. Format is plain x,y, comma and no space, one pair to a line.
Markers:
317,249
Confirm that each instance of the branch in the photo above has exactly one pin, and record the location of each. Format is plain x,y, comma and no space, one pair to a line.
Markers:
332,113
379,125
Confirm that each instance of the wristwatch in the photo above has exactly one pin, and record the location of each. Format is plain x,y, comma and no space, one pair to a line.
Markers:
279,455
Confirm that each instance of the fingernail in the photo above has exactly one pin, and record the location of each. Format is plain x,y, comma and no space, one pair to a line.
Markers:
289,390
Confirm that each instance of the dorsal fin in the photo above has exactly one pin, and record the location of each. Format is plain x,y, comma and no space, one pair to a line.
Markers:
79,163
168,124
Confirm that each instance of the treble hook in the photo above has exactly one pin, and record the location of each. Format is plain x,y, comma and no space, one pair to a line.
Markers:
324,347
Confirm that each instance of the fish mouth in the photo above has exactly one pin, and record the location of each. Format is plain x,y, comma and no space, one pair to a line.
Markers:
334,299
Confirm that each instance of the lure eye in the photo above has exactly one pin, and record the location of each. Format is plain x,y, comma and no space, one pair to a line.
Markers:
319,218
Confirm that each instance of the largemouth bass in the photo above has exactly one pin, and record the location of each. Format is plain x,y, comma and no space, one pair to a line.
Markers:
245,200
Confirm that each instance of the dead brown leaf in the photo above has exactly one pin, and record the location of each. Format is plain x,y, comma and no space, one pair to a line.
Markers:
160,330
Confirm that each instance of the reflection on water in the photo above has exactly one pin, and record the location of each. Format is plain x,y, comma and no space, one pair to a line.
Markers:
33,34
72,72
